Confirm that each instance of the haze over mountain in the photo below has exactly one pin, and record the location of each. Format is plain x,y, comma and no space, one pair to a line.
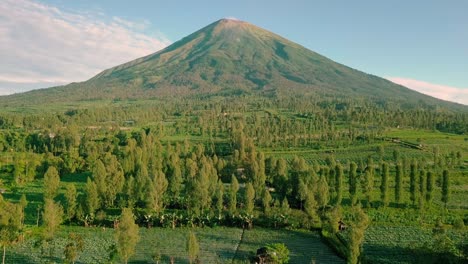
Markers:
230,57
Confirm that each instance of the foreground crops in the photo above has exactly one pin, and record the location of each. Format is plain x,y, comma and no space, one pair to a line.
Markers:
218,245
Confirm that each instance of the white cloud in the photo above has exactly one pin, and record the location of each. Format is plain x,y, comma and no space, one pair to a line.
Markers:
444,92
41,44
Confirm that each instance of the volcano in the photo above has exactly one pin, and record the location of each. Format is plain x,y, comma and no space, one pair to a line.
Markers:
230,58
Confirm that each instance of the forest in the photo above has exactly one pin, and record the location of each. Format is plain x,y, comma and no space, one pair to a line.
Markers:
369,182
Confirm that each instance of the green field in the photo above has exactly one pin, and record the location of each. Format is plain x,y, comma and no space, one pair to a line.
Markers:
218,245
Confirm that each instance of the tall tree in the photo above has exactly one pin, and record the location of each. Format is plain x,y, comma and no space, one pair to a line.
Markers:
193,249
174,176
51,183
384,184
413,183
220,197
281,178
259,180
302,190
234,188
422,188
322,193
353,182
23,202
369,185
115,179
266,201
91,197
429,186
126,235
70,196
339,183
52,216
249,198
310,206
356,234
10,224
99,178
156,190
445,187
398,183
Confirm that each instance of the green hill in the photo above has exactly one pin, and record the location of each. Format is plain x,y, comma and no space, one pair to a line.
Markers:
230,57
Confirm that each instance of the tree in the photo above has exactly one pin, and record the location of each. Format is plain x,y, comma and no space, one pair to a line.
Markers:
51,182
266,200
398,183
91,197
277,253
384,184
234,188
260,176
310,206
10,224
127,235
368,186
339,184
23,202
322,192
429,186
249,198
353,182
281,178
302,192
193,249
156,189
332,219
285,209
174,176
422,188
70,196
99,179
445,187
73,248
413,189
220,197
115,179
356,234
52,217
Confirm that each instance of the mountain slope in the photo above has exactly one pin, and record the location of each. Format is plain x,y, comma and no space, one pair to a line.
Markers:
230,57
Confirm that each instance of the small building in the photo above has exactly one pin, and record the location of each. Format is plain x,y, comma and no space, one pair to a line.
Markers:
342,226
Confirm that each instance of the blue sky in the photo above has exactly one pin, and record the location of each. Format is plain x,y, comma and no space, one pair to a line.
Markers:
421,44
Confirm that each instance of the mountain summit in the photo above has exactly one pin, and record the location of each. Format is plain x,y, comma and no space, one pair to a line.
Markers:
231,57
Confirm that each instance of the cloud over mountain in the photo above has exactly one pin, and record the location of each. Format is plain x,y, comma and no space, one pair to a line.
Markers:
41,45
444,92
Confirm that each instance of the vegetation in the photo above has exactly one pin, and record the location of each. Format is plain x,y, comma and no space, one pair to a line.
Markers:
239,167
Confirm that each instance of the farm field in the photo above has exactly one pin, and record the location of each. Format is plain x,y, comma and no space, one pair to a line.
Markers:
218,245
404,244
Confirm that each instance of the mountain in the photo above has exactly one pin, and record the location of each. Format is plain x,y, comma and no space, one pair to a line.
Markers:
229,57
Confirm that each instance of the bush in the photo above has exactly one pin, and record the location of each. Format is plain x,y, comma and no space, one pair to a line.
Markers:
276,253
458,223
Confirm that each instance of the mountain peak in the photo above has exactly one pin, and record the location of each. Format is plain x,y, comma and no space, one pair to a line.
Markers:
231,19
231,23
231,56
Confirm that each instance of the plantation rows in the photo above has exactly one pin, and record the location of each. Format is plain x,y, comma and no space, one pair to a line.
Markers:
217,245
401,244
